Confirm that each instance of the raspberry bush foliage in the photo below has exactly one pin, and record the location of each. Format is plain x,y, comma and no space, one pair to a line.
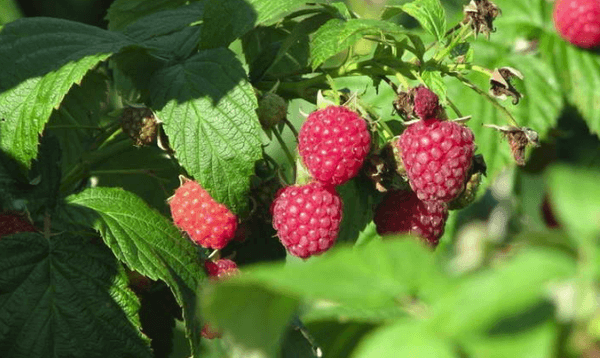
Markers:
359,179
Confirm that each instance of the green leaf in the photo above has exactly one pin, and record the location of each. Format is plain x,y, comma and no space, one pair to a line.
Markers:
338,35
404,339
338,339
430,14
253,316
42,59
483,299
170,34
433,80
224,21
208,110
65,296
269,12
376,275
358,198
578,75
124,12
327,311
146,241
575,198
529,342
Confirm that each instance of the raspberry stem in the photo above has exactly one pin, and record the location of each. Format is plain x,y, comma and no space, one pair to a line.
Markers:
286,150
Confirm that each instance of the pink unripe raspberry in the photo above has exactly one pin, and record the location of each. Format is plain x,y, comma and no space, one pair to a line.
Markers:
208,223
578,21
333,144
437,157
401,212
426,103
307,218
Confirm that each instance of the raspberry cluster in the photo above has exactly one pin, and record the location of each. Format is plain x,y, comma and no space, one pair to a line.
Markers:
436,158
208,223
333,144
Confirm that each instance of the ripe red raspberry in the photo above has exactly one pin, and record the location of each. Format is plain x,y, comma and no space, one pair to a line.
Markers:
307,218
333,144
578,21
207,222
221,269
401,211
217,270
437,156
426,103
12,223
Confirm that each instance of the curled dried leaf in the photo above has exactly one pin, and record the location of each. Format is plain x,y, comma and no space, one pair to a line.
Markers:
518,139
500,85
481,14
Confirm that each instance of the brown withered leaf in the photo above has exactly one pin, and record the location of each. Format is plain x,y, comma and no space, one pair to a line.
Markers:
481,15
518,140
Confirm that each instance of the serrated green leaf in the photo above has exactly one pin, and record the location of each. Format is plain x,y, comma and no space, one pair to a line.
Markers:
147,242
338,35
253,316
124,12
375,275
65,296
208,110
42,59
575,198
483,299
404,339
430,14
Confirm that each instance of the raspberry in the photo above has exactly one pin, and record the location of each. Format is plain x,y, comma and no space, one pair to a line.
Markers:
437,157
12,223
402,212
217,270
221,269
207,222
426,103
307,218
333,144
578,22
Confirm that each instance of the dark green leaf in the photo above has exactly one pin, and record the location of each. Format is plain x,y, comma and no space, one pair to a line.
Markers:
268,12
224,21
338,35
42,59
208,110
124,12
147,242
65,296
358,198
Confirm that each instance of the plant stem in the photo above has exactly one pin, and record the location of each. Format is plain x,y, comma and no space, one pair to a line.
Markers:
492,100
286,150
